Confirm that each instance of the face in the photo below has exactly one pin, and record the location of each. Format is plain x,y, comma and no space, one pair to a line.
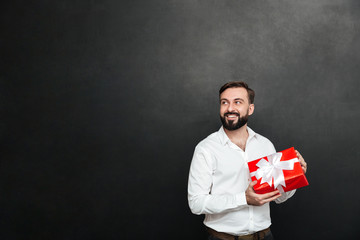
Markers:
235,108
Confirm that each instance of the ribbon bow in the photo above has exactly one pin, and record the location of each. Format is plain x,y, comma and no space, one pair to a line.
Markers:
273,169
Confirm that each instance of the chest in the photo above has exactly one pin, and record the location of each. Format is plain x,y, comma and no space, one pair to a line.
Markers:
230,164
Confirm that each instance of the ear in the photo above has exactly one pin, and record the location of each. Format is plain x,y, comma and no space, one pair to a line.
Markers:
251,109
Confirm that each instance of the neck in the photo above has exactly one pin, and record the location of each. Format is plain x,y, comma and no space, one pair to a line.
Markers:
238,136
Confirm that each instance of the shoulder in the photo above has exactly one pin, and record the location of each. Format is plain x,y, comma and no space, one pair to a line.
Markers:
258,141
263,140
209,142
204,152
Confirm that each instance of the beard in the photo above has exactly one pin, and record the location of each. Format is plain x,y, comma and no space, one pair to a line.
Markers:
232,125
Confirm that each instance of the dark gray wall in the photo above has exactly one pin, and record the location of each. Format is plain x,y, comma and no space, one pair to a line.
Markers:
103,102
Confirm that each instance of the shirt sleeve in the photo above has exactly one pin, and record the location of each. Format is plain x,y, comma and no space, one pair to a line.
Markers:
200,199
285,196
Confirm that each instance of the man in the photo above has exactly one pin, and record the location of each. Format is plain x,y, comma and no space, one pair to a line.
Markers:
219,180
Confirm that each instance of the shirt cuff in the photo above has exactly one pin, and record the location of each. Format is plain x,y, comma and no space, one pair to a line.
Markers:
241,199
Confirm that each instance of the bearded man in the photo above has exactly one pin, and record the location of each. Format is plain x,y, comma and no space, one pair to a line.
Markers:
219,183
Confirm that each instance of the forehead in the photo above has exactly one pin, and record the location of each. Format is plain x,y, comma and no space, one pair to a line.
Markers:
234,93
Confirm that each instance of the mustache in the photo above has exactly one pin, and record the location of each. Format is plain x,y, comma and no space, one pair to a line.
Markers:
232,113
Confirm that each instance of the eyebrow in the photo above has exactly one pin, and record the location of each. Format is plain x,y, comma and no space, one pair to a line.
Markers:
236,99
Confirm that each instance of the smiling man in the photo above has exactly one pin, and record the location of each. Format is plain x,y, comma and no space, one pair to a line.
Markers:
219,183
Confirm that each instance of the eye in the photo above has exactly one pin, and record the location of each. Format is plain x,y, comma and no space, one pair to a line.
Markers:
223,102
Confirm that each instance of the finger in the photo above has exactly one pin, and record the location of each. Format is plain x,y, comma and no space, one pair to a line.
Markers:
270,194
302,162
272,198
269,199
252,184
298,154
304,167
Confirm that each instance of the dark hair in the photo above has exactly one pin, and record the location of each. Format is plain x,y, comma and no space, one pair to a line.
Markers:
237,84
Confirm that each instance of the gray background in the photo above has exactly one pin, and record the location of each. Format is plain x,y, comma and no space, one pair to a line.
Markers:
103,102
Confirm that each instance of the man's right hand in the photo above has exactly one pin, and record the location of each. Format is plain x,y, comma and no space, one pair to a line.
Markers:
255,199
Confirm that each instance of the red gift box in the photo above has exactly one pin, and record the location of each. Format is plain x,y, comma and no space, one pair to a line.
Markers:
281,170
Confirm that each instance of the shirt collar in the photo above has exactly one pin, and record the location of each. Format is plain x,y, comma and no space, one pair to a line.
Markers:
224,139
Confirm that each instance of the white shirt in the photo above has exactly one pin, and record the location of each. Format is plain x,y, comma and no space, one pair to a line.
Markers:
218,178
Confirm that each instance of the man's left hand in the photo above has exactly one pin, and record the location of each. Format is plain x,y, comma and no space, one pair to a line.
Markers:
302,161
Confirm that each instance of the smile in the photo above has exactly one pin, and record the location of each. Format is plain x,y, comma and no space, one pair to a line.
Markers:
231,116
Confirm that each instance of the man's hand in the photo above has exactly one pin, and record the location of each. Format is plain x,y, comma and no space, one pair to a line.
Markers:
302,161
255,199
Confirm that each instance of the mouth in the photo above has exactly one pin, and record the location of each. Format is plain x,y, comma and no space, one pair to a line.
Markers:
231,116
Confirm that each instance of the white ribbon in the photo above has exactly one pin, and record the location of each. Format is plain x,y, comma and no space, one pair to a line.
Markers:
273,169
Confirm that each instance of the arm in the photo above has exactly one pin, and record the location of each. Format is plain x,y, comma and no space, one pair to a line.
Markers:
200,199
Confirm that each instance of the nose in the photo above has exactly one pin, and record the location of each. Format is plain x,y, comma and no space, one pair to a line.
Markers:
230,107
